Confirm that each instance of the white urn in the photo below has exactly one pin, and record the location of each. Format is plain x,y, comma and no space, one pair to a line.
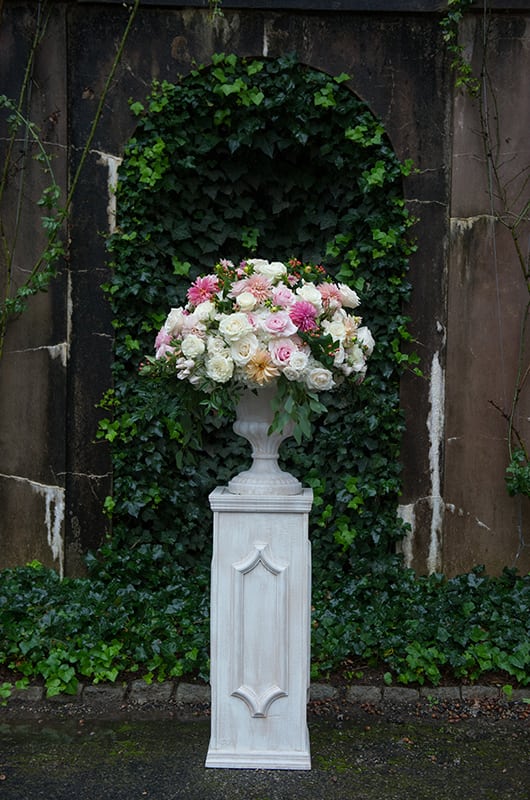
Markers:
254,416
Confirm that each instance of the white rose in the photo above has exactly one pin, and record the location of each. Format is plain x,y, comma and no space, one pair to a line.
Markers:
310,293
349,298
246,301
205,310
219,368
234,326
192,324
257,263
356,358
366,340
192,346
319,379
216,345
291,374
335,328
270,269
242,350
174,321
298,361
339,356
184,367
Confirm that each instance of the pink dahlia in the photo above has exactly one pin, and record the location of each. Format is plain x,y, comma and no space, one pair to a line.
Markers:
303,315
202,289
331,296
257,285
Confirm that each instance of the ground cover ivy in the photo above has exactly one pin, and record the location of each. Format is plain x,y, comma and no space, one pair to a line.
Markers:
416,630
269,158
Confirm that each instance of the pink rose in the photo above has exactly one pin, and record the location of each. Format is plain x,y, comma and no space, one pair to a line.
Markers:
163,338
283,296
281,351
164,350
279,324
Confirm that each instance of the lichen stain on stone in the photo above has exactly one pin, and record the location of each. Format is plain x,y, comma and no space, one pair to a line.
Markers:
179,50
461,225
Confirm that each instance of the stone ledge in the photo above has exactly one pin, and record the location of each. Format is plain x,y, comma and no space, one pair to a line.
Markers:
138,693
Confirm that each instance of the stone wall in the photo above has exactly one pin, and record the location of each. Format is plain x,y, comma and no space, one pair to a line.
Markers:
469,293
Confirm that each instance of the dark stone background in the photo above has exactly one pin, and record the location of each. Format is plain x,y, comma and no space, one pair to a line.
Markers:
454,489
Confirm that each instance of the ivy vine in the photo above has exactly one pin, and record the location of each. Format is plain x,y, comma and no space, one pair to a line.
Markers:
270,158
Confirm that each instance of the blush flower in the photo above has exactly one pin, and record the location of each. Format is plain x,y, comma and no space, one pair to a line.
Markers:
258,285
163,338
279,324
330,294
281,351
260,368
283,296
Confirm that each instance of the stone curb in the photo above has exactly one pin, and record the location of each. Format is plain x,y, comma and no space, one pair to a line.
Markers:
139,693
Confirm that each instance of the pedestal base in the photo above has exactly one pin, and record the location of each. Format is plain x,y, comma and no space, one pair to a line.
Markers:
271,760
260,631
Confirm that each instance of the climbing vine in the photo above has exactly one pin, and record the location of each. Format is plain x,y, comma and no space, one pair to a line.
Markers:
250,157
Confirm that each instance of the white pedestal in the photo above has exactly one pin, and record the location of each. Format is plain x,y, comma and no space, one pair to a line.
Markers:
260,631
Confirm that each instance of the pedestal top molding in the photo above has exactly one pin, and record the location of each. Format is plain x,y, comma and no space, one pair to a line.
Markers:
221,499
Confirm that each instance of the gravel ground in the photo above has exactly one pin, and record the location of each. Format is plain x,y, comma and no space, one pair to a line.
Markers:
477,746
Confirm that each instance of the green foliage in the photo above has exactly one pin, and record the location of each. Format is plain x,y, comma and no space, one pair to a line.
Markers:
518,474
267,158
417,630
94,630
427,628
450,24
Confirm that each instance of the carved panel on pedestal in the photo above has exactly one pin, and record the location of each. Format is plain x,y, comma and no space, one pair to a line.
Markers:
260,629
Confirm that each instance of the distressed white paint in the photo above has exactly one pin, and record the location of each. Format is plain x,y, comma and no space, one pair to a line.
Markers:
61,350
265,52
406,545
461,513
53,515
54,498
260,631
435,426
113,164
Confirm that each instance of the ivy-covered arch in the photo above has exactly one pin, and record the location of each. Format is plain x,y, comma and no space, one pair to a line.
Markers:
268,158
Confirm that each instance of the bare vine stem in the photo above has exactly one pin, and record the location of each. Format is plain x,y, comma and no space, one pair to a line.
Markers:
44,266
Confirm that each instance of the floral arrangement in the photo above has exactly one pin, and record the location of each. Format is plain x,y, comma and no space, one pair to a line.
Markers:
259,322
